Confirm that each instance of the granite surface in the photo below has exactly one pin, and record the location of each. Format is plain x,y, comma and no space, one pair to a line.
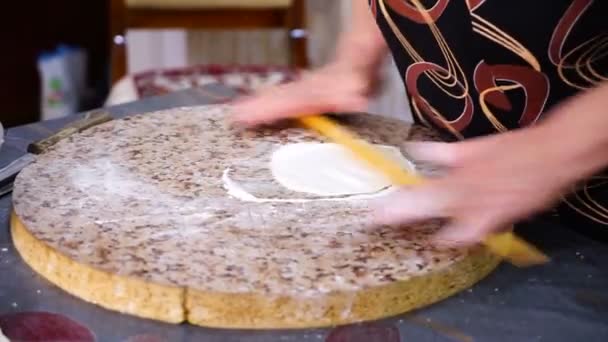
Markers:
143,197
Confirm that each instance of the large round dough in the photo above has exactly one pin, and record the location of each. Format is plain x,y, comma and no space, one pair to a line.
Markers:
328,169
135,215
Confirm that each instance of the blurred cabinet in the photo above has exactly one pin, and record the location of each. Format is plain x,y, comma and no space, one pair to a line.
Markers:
30,27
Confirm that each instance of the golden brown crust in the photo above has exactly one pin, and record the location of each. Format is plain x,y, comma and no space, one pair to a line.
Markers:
113,292
251,311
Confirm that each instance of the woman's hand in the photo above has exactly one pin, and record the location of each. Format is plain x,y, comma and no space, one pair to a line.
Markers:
344,85
492,182
489,184
333,88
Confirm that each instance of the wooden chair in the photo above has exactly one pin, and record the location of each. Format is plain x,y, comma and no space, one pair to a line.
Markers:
206,14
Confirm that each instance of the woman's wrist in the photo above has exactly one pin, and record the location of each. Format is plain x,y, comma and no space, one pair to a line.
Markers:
576,133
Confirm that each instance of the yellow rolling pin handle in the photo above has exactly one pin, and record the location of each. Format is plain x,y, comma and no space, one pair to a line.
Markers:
506,245
519,252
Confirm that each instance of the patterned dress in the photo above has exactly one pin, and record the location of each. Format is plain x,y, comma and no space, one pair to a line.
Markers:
477,67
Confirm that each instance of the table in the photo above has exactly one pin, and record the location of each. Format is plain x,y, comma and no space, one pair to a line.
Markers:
566,300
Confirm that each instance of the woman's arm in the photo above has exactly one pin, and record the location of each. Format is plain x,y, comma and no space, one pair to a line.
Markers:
362,47
343,85
495,181
579,131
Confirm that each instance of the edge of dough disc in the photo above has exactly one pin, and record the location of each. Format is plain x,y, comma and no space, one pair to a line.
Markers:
113,292
254,311
245,311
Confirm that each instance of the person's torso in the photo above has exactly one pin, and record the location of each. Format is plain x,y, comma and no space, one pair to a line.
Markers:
477,67
481,67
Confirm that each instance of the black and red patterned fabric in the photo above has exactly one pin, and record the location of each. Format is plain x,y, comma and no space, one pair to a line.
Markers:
476,67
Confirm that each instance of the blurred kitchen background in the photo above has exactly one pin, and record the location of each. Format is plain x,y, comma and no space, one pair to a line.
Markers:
65,56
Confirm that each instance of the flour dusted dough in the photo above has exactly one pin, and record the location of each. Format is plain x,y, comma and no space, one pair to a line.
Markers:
327,169
173,243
